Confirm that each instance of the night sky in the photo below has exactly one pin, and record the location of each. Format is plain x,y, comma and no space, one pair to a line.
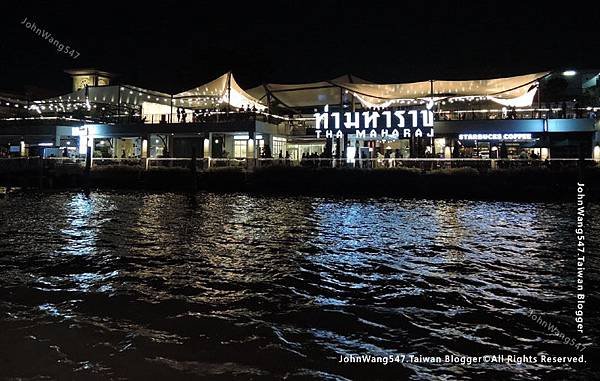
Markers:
175,46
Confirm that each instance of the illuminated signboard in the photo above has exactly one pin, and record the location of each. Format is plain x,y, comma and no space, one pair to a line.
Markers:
375,124
494,137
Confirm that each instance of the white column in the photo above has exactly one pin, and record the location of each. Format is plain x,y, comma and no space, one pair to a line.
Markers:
447,152
207,147
144,152
207,150
250,153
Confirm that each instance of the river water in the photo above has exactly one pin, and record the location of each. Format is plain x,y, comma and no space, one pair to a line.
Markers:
174,286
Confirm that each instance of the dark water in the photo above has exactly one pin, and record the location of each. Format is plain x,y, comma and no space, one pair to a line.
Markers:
171,286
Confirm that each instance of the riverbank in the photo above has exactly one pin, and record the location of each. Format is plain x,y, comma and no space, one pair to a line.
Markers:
526,183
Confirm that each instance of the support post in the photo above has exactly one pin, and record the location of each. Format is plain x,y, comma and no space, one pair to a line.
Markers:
250,161
341,147
539,98
88,167
144,150
207,149
431,143
268,98
118,101
229,92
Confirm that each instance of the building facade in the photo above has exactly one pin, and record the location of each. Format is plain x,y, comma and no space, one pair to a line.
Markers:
503,118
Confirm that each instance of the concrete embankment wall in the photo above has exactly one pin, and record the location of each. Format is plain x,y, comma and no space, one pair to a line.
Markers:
528,183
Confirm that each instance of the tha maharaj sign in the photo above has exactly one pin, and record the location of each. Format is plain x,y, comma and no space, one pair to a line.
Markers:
397,124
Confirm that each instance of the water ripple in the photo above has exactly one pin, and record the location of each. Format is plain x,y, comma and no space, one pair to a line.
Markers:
135,285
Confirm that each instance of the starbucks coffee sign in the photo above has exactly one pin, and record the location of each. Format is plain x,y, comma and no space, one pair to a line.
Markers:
397,124
494,137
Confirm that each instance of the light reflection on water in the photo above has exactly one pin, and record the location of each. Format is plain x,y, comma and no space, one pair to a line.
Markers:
234,286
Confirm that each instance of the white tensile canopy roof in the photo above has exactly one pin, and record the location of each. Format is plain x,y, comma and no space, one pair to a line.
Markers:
223,90
306,94
130,96
518,91
209,95
519,88
510,91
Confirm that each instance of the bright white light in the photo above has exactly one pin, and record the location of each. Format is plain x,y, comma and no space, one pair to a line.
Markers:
144,148
569,73
350,154
82,145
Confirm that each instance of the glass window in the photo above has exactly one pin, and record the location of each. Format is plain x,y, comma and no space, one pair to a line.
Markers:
439,145
239,149
279,146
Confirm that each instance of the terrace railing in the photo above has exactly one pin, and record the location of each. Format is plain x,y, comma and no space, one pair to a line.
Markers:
122,118
426,164
112,113
18,164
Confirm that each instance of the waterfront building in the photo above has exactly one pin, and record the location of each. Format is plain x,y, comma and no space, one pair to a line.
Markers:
509,117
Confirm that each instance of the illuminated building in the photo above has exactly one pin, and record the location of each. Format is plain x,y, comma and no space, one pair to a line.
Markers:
485,118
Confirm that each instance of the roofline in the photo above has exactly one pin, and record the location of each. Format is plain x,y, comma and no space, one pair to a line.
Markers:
89,71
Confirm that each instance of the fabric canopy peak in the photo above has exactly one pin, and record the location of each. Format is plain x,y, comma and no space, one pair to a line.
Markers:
223,90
